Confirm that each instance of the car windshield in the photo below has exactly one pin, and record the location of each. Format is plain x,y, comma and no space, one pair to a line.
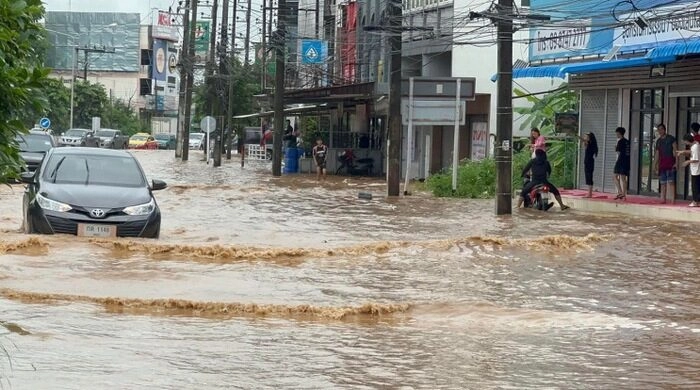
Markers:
75,133
139,137
163,136
115,171
196,137
105,133
34,142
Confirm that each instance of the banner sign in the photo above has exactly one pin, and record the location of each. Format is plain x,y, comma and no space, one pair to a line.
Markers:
160,58
201,39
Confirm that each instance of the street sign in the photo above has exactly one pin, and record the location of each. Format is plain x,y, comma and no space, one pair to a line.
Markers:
208,124
313,51
45,123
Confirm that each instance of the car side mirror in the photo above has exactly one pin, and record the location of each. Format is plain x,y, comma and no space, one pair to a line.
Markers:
158,185
27,177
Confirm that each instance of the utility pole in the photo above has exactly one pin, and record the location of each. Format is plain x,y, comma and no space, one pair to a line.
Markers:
280,46
231,92
504,111
263,60
211,64
184,61
395,127
190,80
247,35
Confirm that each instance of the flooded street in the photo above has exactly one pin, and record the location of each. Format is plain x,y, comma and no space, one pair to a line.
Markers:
262,282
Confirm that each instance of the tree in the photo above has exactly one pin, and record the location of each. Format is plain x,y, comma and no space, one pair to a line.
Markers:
58,104
89,101
541,114
22,76
119,115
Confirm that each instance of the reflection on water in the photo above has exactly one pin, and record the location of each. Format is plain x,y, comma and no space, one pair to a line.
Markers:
283,283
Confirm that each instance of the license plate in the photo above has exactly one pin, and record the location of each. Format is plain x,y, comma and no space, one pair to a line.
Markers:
97,230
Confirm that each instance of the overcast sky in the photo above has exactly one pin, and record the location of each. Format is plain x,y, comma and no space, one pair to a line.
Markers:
141,6
145,8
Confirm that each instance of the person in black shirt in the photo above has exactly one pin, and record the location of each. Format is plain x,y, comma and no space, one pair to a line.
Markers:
541,169
290,136
590,153
622,165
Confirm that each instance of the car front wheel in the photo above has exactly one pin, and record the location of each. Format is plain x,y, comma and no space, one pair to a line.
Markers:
27,226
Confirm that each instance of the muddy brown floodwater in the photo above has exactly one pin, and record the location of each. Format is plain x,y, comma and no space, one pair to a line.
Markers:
261,282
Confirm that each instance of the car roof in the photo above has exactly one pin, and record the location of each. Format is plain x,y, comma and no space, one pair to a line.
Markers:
78,128
38,132
81,151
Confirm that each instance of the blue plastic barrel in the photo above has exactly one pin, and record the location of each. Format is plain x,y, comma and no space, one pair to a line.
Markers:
291,160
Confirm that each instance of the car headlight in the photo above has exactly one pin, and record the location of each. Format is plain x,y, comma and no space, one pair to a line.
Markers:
52,205
142,209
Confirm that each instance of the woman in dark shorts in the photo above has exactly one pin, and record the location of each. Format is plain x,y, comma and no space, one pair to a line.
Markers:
590,153
622,165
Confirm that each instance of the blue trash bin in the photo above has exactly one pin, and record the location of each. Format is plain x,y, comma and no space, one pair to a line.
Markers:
291,160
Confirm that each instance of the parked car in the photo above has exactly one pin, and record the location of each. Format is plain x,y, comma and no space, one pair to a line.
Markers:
34,146
91,192
150,144
197,141
165,141
75,137
112,139
138,139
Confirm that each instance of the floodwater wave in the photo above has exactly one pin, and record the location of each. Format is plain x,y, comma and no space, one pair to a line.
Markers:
182,307
32,245
223,254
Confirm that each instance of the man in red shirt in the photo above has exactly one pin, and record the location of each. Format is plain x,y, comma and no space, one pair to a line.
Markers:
666,163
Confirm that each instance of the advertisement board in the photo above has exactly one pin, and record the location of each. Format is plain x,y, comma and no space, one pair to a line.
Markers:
575,28
164,29
480,140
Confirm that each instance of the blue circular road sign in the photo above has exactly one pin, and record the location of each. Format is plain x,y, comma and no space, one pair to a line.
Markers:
45,123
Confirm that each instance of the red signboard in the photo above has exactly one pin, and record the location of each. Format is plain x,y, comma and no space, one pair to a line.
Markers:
349,47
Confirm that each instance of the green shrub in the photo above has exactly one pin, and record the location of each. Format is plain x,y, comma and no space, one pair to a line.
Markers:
475,179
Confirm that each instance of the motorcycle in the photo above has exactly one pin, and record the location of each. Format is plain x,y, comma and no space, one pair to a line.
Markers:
353,166
538,196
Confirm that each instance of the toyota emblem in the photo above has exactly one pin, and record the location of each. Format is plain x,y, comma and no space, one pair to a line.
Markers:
97,213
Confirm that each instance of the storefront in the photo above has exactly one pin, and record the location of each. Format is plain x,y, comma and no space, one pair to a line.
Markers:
642,70
633,99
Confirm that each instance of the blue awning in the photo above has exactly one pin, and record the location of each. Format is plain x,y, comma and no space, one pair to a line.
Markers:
676,49
562,70
663,54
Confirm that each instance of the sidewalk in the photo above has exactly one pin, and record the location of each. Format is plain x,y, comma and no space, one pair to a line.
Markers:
634,205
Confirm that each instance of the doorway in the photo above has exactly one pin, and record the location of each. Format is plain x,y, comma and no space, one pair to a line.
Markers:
688,112
647,111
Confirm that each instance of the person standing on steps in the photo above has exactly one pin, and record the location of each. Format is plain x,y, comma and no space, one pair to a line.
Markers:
622,164
320,153
694,163
590,153
666,163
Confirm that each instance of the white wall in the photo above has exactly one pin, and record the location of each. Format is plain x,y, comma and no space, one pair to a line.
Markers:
474,54
118,85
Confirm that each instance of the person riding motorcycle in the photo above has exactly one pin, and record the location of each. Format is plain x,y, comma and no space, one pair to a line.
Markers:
541,169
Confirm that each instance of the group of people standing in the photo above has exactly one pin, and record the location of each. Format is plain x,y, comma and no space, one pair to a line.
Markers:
665,162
